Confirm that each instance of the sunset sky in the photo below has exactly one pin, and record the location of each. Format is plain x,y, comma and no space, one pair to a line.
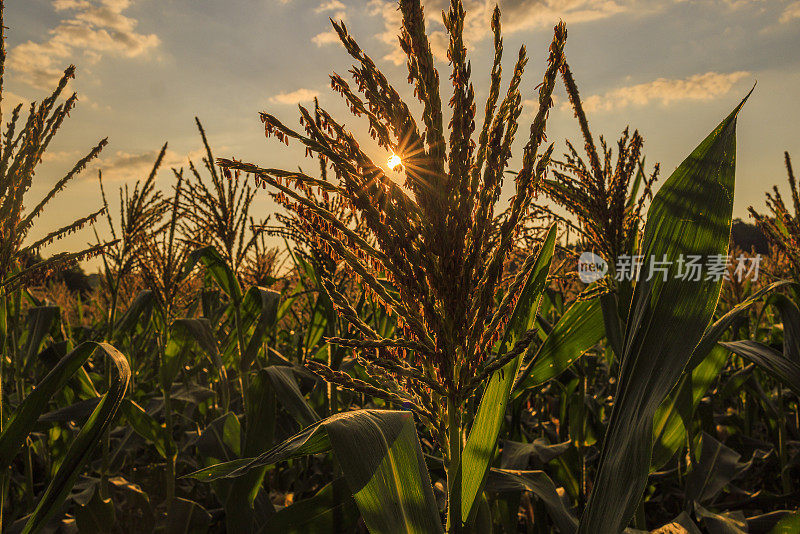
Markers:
146,68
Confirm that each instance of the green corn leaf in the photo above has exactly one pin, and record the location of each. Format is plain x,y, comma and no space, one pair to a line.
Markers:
141,307
723,523
714,332
690,215
97,516
259,434
186,517
541,485
716,467
768,359
790,317
40,322
703,368
218,269
87,439
185,334
221,439
579,329
381,459
288,393
482,441
331,511
259,314
27,413
147,427
668,427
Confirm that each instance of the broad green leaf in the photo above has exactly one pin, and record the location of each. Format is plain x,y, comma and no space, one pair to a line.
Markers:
381,459
790,317
579,329
331,511
768,359
690,215
288,393
482,441
516,455
259,314
723,523
185,334
39,322
538,483
714,332
74,412
703,368
680,405
147,427
259,432
219,270
716,467
221,439
142,306
27,413
87,439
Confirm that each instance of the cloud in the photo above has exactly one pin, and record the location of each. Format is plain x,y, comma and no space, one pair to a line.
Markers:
295,97
330,37
325,38
791,12
93,28
332,5
517,16
132,166
697,87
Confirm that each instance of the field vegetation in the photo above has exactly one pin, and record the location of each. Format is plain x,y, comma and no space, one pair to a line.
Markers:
402,349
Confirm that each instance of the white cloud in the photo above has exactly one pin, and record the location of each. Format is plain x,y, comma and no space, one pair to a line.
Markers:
791,12
697,87
325,38
517,15
93,28
295,97
332,5
330,37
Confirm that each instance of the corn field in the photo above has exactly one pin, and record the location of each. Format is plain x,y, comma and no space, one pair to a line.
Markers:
401,348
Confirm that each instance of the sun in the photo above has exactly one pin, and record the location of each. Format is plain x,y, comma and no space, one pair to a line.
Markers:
394,161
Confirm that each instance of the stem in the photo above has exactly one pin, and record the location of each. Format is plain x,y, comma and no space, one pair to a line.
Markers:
169,476
19,378
106,452
243,381
453,467
581,437
4,323
786,482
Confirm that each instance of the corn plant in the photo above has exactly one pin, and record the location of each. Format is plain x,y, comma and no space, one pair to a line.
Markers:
24,144
442,253
218,212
